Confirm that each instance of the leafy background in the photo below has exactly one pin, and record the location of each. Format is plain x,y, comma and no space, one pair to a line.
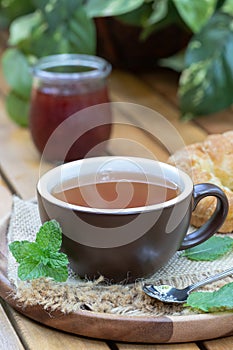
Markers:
39,28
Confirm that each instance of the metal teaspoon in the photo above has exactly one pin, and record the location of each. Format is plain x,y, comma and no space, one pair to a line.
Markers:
169,294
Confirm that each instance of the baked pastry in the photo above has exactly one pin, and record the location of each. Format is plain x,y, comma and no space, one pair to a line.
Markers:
209,161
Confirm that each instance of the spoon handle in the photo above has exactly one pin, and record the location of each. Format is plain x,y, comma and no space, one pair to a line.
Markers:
211,279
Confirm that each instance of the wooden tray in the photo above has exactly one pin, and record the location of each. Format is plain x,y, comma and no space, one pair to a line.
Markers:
166,329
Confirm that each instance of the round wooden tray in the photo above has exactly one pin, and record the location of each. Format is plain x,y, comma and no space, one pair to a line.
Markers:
166,329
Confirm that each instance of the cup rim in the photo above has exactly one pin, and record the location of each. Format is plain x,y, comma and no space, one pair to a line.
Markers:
44,192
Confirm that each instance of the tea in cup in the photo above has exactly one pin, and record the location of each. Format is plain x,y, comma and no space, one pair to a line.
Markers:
124,217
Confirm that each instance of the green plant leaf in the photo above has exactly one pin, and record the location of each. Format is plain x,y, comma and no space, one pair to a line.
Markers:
220,300
162,15
175,62
41,258
206,84
50,236
57,260
210,250
228,7
9,10
159,12
60,274
63,29
31,269
22,27
17,72
17,108
195,13
81,33
20,249
137,17
99,8
57,12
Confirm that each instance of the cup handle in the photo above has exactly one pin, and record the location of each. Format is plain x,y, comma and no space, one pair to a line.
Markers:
215,221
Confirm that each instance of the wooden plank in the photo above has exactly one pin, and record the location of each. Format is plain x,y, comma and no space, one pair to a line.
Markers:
156,131
8,337
188,346
131,141
218,122
219,344
36,336
129,137
19,161
165,82
127,88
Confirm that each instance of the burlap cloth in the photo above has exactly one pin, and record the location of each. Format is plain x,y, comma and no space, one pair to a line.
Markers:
100,296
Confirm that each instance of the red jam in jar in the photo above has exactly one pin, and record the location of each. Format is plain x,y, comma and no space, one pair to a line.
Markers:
64,85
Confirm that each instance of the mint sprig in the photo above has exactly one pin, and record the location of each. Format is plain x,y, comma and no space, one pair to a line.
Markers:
212,249
219,300
42,257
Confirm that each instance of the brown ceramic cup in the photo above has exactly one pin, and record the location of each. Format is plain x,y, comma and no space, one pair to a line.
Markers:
131,242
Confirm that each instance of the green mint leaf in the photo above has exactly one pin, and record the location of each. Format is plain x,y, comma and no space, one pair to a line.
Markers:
50,236
59,274
30,269
220,300
57,260
19,250
22,249
55,266
41,258
210,250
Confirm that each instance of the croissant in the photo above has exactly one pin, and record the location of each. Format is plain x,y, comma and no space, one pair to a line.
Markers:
209,161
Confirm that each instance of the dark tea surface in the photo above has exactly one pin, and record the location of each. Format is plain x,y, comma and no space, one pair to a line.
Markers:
118,194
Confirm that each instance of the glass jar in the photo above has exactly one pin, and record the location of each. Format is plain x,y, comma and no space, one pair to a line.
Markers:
65,84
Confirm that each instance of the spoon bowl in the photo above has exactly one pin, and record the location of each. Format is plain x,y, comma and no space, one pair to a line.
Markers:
169,294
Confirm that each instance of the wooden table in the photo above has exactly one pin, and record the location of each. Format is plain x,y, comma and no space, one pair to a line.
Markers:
19,171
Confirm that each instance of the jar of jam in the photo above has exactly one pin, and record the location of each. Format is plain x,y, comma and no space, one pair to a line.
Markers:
62,126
